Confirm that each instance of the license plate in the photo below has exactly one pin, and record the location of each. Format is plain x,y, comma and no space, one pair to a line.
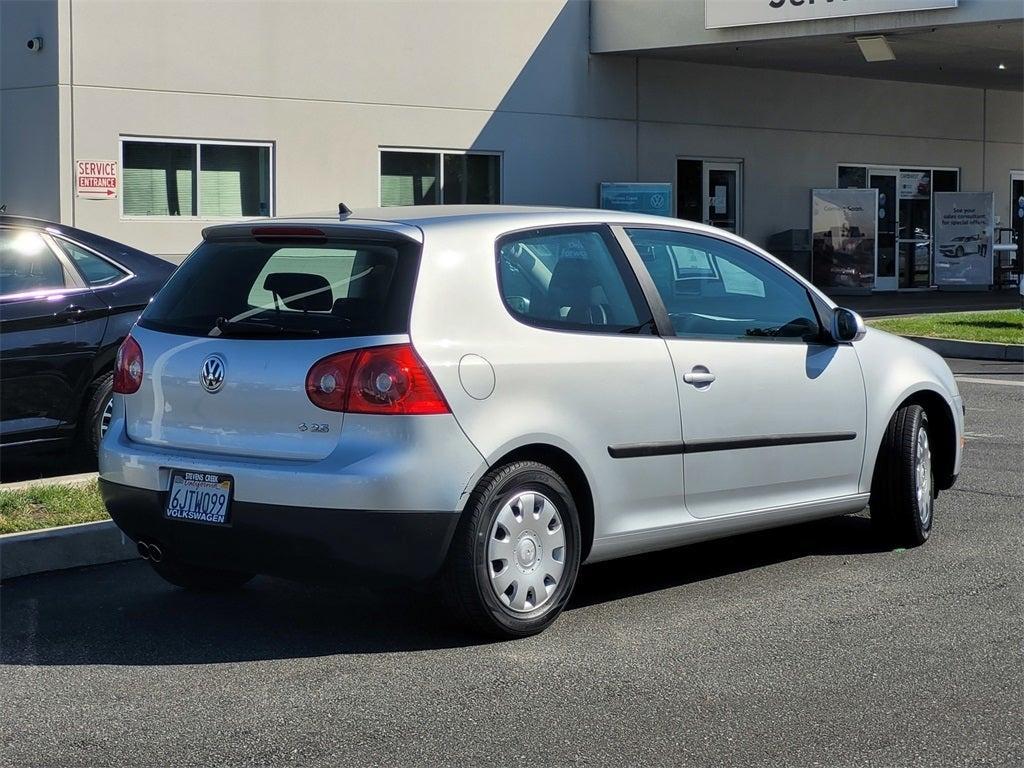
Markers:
200,497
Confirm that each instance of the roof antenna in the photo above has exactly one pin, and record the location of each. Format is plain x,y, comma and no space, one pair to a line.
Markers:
343,211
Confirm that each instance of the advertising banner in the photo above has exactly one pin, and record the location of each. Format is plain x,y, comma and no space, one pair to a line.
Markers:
653,198
844,238
964,233
737,13
915,185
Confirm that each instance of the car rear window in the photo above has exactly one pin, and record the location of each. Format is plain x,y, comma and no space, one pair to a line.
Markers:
328,289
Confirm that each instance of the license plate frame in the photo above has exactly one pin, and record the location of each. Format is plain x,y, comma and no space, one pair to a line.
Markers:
210,506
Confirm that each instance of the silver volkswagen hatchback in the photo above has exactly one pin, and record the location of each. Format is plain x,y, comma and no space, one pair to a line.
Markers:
492,396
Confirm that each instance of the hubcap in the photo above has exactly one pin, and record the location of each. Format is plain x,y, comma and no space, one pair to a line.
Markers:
108,413
526,551
924,477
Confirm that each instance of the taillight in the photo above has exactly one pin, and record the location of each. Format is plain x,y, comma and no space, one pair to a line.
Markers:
327,381
128,367
381,380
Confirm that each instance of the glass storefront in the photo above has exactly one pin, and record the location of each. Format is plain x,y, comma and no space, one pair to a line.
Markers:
905,213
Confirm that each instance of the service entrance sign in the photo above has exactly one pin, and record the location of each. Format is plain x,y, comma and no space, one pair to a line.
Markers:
96,179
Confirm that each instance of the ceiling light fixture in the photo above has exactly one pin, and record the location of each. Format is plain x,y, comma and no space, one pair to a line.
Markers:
1001,66
875,48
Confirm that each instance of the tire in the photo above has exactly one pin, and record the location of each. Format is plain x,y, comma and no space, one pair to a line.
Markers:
541,545
903,488
197,578
959,251
97,401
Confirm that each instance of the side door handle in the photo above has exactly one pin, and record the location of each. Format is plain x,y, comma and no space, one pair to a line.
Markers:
72,313
699,377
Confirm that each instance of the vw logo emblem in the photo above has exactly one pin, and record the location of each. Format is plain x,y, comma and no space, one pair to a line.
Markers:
212,375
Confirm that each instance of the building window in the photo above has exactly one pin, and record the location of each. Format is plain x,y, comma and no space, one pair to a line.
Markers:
427,178
195,178
853,177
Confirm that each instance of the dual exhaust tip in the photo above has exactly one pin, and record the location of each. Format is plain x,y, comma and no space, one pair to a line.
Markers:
151,551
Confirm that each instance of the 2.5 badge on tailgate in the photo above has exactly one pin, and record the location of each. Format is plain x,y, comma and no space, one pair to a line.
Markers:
200,497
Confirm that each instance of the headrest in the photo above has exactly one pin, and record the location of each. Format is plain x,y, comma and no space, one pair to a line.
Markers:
298,290
573,276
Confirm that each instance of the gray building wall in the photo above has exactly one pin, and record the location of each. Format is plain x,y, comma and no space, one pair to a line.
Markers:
31,93
329,83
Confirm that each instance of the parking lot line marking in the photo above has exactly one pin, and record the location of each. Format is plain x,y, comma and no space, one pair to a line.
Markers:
997,382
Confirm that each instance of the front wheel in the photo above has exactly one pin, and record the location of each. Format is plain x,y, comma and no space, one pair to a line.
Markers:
515,555
903,488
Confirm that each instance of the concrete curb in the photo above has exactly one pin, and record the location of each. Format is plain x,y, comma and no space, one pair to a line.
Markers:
972,350
81,479
70,546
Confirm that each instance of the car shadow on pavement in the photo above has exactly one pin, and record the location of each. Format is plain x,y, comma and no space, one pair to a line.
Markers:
617,579
123,614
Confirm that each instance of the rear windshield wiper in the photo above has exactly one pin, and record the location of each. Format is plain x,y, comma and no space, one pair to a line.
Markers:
225,327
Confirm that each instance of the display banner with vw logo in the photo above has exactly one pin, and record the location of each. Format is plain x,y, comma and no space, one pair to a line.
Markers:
212,375
964,234
653,198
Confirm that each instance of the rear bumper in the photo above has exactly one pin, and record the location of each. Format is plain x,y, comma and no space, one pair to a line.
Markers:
290,541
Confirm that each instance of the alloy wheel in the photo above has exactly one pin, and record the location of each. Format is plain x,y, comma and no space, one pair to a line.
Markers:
923,477
108,414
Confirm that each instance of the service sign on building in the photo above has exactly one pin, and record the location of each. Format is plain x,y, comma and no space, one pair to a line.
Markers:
964,233
653,198
96,179
844,238
738,13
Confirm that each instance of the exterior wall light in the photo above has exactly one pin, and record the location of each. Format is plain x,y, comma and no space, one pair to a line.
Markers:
875,48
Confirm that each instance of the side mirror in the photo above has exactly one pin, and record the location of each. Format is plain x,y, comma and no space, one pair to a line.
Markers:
847,325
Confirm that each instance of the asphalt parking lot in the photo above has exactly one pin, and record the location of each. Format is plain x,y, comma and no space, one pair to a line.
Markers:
798,647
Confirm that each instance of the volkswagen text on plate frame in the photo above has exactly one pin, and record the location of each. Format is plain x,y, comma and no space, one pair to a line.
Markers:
484,398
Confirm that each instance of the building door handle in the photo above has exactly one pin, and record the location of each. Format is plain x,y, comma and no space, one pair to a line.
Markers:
700,377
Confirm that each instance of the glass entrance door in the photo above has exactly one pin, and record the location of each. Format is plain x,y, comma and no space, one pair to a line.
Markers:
885,262
723,195
914,234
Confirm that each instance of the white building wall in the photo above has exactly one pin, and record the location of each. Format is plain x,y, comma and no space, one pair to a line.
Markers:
330,82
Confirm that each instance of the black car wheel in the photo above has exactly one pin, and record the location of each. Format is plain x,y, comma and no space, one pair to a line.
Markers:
99,407
903,488
515,555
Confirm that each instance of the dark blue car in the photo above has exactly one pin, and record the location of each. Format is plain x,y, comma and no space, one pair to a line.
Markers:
67,299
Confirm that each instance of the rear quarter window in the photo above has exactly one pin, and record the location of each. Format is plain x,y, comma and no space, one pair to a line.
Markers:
332,289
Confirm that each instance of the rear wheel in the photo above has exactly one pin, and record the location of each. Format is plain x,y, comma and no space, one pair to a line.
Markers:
99,407
197,578
903,489
515,555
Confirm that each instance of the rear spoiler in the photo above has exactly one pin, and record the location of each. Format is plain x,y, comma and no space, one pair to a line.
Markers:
272,231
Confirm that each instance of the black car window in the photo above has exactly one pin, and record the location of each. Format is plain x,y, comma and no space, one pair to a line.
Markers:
27,264
716,289
569,279
96,270
334,289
